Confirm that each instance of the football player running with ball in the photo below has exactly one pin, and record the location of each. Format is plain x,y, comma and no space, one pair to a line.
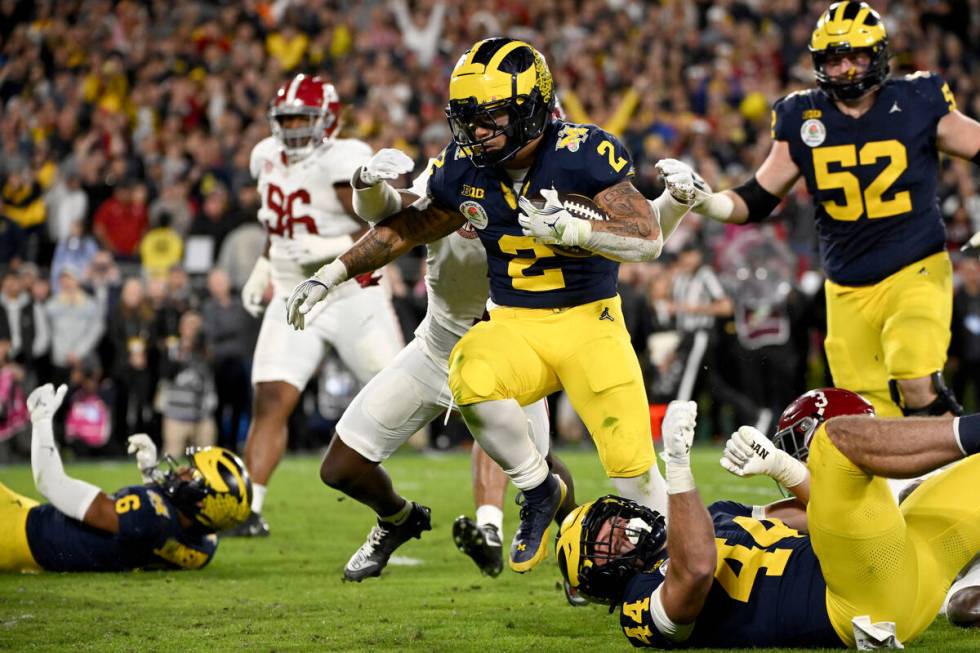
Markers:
169,522
303,172
555,318
866,574
413,390
868,147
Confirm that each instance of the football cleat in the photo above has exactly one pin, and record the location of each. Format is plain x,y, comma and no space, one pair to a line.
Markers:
254,526
382,541
482,543
529,546
572,595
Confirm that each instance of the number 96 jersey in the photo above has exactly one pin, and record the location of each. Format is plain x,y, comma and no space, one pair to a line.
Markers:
298,198
873,178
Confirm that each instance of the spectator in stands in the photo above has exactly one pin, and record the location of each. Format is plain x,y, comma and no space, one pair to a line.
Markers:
187,390
21,200
77,323
228,329
13,244
130,335
121,220
76,250
964,350
29,331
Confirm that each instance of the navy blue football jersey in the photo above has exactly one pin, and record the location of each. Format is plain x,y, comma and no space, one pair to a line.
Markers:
768,589
873,178
580,159
150,537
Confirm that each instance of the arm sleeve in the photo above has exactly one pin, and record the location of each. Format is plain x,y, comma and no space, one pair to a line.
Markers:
604,161
779,130
939,97
69,495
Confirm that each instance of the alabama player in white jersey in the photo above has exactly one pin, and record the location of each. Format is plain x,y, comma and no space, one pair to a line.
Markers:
303,172
413,390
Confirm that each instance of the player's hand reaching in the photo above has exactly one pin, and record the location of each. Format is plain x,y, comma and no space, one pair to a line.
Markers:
683,183
44,402
387,164
146,453
309,293
253,291
678,427
749,452
552,224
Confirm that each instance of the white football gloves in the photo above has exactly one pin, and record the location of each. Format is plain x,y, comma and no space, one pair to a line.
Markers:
44,402
307,249
678,435
146,453
683,183
311,292
253,292
749,452
552,224
386,165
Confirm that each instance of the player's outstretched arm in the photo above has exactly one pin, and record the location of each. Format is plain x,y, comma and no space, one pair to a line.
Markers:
959,135
755,199
381,245
749,452
77,499
679,600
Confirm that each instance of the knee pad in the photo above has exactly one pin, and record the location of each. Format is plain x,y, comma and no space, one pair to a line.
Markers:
945,401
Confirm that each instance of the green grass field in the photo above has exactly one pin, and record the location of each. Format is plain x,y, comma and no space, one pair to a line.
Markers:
284,593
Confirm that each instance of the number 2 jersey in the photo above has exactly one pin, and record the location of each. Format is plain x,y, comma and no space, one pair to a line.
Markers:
768,590
150,537
873,178
581,159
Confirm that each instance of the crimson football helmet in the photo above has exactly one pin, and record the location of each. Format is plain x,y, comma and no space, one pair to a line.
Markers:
801,418
311,98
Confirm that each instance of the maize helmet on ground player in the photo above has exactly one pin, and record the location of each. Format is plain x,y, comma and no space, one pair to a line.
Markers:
602,544
801,418
850,28
217,491
311,98
499,78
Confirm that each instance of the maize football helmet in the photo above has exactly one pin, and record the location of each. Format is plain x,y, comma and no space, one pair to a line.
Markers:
313,99
801,418
602,544
494,79
217,493
846,28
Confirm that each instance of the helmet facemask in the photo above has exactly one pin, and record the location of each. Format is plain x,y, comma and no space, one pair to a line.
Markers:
795,438
851,85
619,538
299,141
520,119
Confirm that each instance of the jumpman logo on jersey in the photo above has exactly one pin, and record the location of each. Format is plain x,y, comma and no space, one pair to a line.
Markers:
606,316
895,108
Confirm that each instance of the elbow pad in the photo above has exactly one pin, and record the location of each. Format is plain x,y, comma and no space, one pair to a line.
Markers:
760,201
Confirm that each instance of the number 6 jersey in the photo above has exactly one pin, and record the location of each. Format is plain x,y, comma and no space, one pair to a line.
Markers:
873,178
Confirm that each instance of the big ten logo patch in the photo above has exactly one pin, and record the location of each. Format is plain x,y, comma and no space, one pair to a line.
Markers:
284,207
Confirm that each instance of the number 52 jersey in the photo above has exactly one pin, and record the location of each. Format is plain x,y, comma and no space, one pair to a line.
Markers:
873,178
768,589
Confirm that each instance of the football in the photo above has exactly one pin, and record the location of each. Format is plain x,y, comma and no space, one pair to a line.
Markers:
579,206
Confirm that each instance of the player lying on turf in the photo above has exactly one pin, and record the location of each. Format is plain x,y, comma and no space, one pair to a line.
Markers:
748,453
867,571
169,522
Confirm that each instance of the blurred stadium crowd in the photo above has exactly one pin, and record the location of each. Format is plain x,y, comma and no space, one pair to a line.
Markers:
127,215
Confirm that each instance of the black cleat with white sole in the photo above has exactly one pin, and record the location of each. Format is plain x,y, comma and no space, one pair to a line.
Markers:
482,543
382,541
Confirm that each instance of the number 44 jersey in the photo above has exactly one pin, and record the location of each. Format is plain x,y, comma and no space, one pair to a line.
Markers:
873,178
768,589
298,198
